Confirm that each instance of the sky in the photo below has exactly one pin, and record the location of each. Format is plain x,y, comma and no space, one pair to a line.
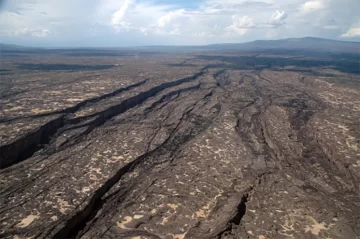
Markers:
117,23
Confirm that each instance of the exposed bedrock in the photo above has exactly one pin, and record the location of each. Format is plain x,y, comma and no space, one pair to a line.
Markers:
222,154
23,148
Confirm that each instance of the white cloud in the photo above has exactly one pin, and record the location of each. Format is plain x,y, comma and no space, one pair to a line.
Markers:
175,32
243,22
117,19
166,19
41,33
45,18
241,25
144,31
278,18
206,21
352,32
239,31
29,32
313,5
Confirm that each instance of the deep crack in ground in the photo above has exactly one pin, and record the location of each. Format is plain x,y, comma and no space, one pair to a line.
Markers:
217,152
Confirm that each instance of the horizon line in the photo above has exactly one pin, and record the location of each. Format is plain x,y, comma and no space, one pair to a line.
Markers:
200,45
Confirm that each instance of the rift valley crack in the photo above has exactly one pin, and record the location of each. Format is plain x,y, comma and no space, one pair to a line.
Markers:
222,141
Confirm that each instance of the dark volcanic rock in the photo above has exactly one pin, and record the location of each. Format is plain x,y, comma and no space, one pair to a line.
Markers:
195,150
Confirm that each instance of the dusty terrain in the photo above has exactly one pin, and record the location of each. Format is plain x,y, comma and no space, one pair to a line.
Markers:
168,145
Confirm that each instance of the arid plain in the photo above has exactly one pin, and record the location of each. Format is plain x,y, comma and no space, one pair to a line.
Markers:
152,143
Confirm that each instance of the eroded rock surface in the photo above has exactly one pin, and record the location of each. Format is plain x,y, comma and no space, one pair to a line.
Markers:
181,151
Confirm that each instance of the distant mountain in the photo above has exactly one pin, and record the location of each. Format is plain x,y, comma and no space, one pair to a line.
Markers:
15,47
293,44
306,46
11,48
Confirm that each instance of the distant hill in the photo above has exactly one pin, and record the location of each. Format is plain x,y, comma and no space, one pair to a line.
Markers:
293,44
15,47
11,48
306,46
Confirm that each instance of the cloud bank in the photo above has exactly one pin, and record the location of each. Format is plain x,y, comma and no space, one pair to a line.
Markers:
148,22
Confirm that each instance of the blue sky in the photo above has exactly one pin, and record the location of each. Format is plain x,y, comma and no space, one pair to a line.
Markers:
112,23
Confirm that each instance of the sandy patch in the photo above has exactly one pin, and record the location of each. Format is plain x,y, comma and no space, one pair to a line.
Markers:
316,227
27,221
123,222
